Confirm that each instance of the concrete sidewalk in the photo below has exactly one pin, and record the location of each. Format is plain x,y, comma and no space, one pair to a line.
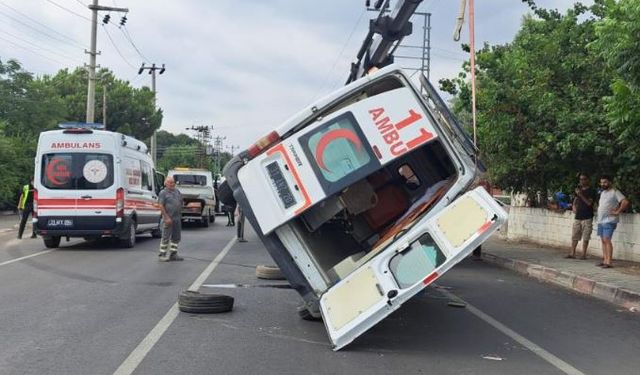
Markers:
619,285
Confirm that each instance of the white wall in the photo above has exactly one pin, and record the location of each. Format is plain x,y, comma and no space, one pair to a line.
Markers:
552,228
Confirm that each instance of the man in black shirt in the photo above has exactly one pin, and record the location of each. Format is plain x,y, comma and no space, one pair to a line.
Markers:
583,222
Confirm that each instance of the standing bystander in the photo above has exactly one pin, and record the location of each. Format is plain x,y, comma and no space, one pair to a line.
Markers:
26,203
170,201
240,230
612,202
583,219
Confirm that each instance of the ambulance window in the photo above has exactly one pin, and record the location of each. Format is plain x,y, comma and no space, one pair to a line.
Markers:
77,171
339,149
146,176
416,263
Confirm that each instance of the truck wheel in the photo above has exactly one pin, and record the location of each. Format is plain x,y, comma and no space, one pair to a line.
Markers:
204,221
201,303
212,217
52,242
269,273
130,240
157,232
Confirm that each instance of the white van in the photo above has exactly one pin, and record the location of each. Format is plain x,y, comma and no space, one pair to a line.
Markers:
364,198
198,195
92,183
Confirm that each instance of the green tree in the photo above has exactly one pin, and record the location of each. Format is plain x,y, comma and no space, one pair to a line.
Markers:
540,104
130,110
618,43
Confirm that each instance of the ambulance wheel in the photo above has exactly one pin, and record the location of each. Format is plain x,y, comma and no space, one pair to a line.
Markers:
130,240
52,242
305,314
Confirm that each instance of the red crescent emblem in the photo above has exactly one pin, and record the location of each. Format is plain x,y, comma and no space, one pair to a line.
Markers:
330,137
53,173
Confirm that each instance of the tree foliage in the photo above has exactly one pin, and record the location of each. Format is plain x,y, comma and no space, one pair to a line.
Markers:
549,103
30,105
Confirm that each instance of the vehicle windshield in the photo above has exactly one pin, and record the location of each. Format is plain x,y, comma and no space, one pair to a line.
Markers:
190,179
77,171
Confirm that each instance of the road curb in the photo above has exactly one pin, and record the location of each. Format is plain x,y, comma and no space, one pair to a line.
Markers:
626,298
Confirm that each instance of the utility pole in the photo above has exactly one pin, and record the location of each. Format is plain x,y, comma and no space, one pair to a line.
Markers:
152,70
104,105
203,135
91,90
217,149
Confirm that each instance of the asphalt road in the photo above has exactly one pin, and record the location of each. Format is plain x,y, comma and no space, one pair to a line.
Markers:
98,309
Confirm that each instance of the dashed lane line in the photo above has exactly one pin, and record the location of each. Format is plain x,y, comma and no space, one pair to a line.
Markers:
537,350
140,352
25,257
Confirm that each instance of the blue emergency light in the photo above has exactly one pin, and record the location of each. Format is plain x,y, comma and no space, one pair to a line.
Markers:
81,125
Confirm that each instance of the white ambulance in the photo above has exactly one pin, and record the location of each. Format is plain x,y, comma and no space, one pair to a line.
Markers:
364,198
93,183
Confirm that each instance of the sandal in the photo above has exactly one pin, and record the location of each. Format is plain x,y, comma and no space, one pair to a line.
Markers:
569,256
600,264
607,266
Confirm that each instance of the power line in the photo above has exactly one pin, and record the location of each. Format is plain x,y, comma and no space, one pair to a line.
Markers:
41,24
68,10
32,51
39,47
116,47
33,28
125,32
81,3
344,46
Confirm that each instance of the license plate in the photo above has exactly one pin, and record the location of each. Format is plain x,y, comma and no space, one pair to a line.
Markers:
284,192
60,223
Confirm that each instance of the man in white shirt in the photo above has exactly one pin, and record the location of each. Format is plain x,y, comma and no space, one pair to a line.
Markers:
612,202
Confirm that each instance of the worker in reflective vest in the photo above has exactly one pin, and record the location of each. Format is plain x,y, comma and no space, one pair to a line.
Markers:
26,205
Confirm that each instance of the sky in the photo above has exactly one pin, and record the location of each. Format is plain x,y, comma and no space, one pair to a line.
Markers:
241,66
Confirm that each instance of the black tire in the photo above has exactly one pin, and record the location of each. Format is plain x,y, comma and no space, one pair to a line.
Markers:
305,314
269,273
157,232
204,221
202,303
129,240
51,242
226,194
212,216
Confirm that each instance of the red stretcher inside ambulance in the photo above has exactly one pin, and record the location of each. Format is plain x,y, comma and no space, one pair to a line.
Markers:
364,198
92,183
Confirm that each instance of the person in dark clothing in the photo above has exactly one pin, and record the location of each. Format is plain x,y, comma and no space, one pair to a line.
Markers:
583,221
26,201
240,231
230,211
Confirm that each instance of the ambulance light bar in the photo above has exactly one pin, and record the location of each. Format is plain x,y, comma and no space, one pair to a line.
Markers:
81,125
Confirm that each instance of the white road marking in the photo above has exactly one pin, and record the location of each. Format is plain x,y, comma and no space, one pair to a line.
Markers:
540,352
140,352
24,257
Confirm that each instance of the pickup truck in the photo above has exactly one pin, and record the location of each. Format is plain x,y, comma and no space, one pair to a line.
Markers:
198,197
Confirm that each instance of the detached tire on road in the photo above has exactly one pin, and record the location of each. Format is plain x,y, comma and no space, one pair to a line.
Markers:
203,303
269,273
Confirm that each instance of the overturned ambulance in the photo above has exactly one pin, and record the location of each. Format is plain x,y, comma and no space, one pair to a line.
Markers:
364,198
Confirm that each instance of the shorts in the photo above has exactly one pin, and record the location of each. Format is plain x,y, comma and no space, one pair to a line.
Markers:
606,230
582,229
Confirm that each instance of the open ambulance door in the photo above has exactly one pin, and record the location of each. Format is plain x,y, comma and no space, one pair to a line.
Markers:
378,287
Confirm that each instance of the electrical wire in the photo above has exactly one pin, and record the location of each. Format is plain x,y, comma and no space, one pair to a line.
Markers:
344,46
76,42
125,32
32,51
68,10
116,48
39,47
35,29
